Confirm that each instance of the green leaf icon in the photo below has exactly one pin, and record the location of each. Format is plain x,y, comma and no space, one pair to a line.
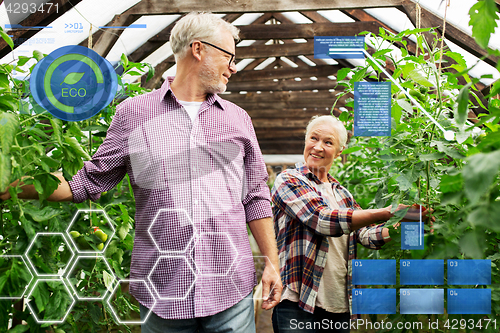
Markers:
73,78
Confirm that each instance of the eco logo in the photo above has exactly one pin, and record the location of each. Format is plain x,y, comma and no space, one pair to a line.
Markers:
73,83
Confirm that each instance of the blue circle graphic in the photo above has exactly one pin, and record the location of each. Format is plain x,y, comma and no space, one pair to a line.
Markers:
73,83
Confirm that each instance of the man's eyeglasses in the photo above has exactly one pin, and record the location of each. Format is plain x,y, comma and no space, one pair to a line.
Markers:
231,61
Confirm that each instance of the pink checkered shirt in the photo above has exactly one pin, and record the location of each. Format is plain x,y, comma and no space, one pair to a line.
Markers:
196,184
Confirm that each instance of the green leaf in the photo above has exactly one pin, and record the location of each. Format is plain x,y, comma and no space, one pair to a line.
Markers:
57,128
9,102
72,78
151,72
351,150
451,183
403,182
381,53
396,112
431,157
58,305
3,280
7,39
462,109
41,296
450,151
44,214
483,16
5,171
22,60
9,125
95,313
37,55
486,216
123,230
342,73
75,145
124,60
108,280
479,173
359,75
472,243
19,329
417,76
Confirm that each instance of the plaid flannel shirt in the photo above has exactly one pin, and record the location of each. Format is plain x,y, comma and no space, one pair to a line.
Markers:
302,220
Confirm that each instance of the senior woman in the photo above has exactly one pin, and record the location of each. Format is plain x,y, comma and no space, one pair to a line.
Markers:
317,225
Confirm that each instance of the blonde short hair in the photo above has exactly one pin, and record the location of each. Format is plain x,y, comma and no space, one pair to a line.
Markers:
198,26
337,124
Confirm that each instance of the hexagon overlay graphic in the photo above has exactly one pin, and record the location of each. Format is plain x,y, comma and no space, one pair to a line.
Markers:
45,263
168,277
124,287
172,230
259,262
90,231
91,275
11,289
213,242
60,298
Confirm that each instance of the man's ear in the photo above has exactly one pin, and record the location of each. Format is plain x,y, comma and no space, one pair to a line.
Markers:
196,50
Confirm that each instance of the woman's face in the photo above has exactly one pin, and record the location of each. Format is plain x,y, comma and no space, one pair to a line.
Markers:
321,149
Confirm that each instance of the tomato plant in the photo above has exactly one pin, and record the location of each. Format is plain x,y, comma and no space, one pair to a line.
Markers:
458,179
36,145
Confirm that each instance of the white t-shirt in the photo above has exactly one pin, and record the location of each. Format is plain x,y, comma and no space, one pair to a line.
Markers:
192,108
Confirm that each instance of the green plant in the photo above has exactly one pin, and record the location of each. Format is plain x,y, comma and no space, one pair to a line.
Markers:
458,179
33,144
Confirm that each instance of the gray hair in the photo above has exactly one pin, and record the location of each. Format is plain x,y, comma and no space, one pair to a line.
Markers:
337,124
198,26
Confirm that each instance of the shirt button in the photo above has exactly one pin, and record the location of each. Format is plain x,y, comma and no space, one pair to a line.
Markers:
196,202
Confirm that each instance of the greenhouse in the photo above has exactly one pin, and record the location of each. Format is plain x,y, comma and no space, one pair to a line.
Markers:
249,166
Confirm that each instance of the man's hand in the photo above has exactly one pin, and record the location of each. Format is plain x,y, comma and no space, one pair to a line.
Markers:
271,287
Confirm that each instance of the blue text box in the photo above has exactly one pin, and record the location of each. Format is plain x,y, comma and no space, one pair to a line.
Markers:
421,301
469,271
339,47
372,109
412,236
374,301
421,271
374,272
469,301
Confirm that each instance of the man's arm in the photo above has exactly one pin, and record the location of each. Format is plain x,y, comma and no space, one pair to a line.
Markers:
263,232
62,193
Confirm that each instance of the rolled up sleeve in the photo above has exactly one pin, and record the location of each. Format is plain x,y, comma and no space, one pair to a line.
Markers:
256,196
107,167
300,201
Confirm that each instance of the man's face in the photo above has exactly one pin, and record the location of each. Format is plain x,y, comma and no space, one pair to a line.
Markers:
321,148
215,70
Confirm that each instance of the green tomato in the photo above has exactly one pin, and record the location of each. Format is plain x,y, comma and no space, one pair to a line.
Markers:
101,235
74,234
100,246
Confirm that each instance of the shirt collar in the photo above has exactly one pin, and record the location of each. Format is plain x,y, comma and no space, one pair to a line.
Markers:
212,99
302,168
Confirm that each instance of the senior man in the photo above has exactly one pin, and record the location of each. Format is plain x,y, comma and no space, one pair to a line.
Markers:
199,178
318,224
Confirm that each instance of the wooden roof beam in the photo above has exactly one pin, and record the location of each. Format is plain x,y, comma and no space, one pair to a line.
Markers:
158,7
293,31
